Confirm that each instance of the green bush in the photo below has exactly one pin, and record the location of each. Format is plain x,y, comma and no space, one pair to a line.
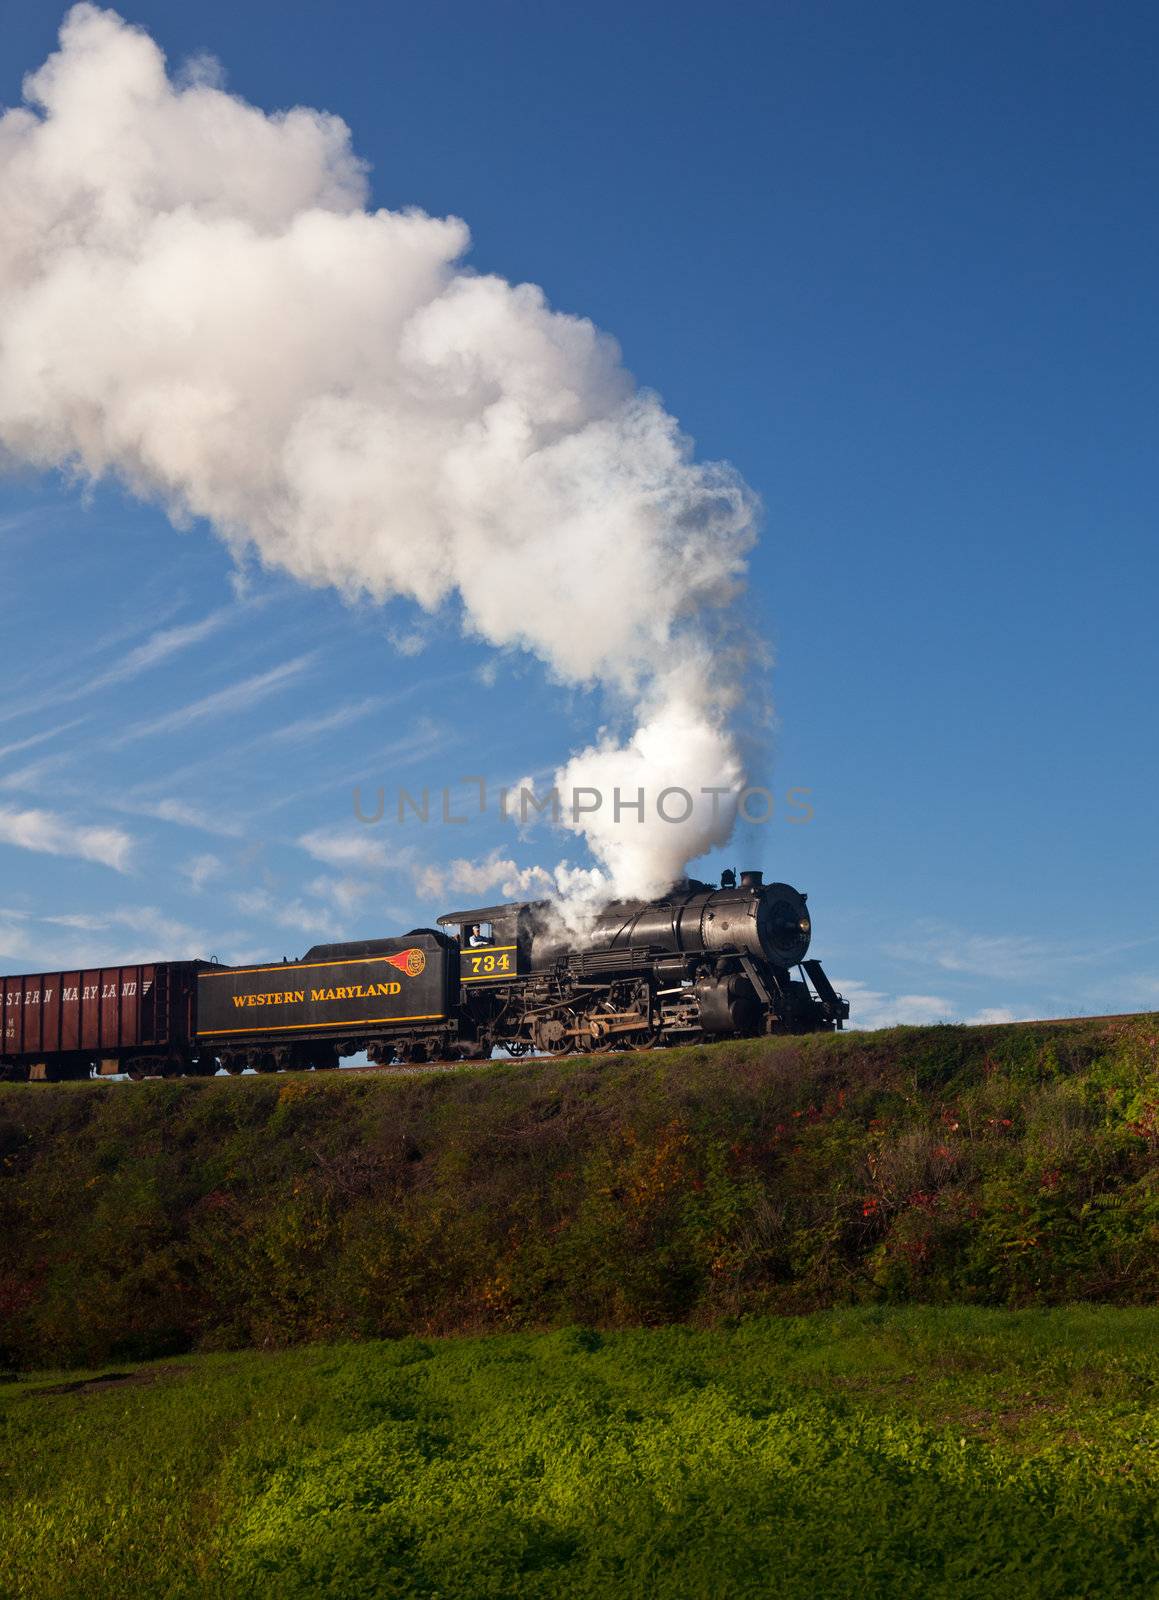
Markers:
956,1453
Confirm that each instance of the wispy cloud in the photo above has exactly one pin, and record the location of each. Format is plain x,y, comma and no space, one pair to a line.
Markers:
495,873
1004,956
34,778
162,644
202,869
345,848
350,849
410,641
344,894
180,813
50,834
428,738
1120,992
240,696
295,915
1008,957
164,932
31,777
875,1008
84,921
125,933
19,521
1142,987
40,738
310,727
424,739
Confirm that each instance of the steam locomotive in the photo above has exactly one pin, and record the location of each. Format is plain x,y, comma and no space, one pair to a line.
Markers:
702,962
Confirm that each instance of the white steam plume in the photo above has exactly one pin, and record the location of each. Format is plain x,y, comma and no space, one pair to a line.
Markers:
194,299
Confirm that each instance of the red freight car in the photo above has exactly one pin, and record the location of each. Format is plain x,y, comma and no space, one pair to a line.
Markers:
61,1024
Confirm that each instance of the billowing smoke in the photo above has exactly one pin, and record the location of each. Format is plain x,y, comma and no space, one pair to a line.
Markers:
195,299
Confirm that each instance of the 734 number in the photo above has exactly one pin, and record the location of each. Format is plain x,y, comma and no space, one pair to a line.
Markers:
489,963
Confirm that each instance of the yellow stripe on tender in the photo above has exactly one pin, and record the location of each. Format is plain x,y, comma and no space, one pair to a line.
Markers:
307,966
288,1027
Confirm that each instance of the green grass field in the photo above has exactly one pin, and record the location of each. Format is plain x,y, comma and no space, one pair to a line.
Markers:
869,1452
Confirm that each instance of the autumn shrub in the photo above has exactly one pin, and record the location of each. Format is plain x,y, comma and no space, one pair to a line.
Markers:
1001,1166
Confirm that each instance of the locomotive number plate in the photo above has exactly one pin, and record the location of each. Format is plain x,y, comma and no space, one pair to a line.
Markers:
488,965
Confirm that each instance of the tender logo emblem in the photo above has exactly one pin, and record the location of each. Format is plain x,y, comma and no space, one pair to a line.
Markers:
412,961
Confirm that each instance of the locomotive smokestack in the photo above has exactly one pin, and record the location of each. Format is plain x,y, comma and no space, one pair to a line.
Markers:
751,880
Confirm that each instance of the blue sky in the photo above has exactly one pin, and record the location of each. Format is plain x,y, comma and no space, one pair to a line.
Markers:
898,265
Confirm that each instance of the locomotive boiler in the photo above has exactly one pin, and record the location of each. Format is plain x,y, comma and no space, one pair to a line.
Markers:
702,962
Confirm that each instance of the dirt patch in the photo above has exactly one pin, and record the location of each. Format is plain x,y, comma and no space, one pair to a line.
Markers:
107,1380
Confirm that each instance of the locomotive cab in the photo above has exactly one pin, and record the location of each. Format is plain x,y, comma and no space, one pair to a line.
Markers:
493,942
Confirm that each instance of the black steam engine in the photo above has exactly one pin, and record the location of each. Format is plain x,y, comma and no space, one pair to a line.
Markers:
699,963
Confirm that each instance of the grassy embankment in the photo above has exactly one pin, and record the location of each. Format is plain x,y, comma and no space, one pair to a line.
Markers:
940,1452
1003,1166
